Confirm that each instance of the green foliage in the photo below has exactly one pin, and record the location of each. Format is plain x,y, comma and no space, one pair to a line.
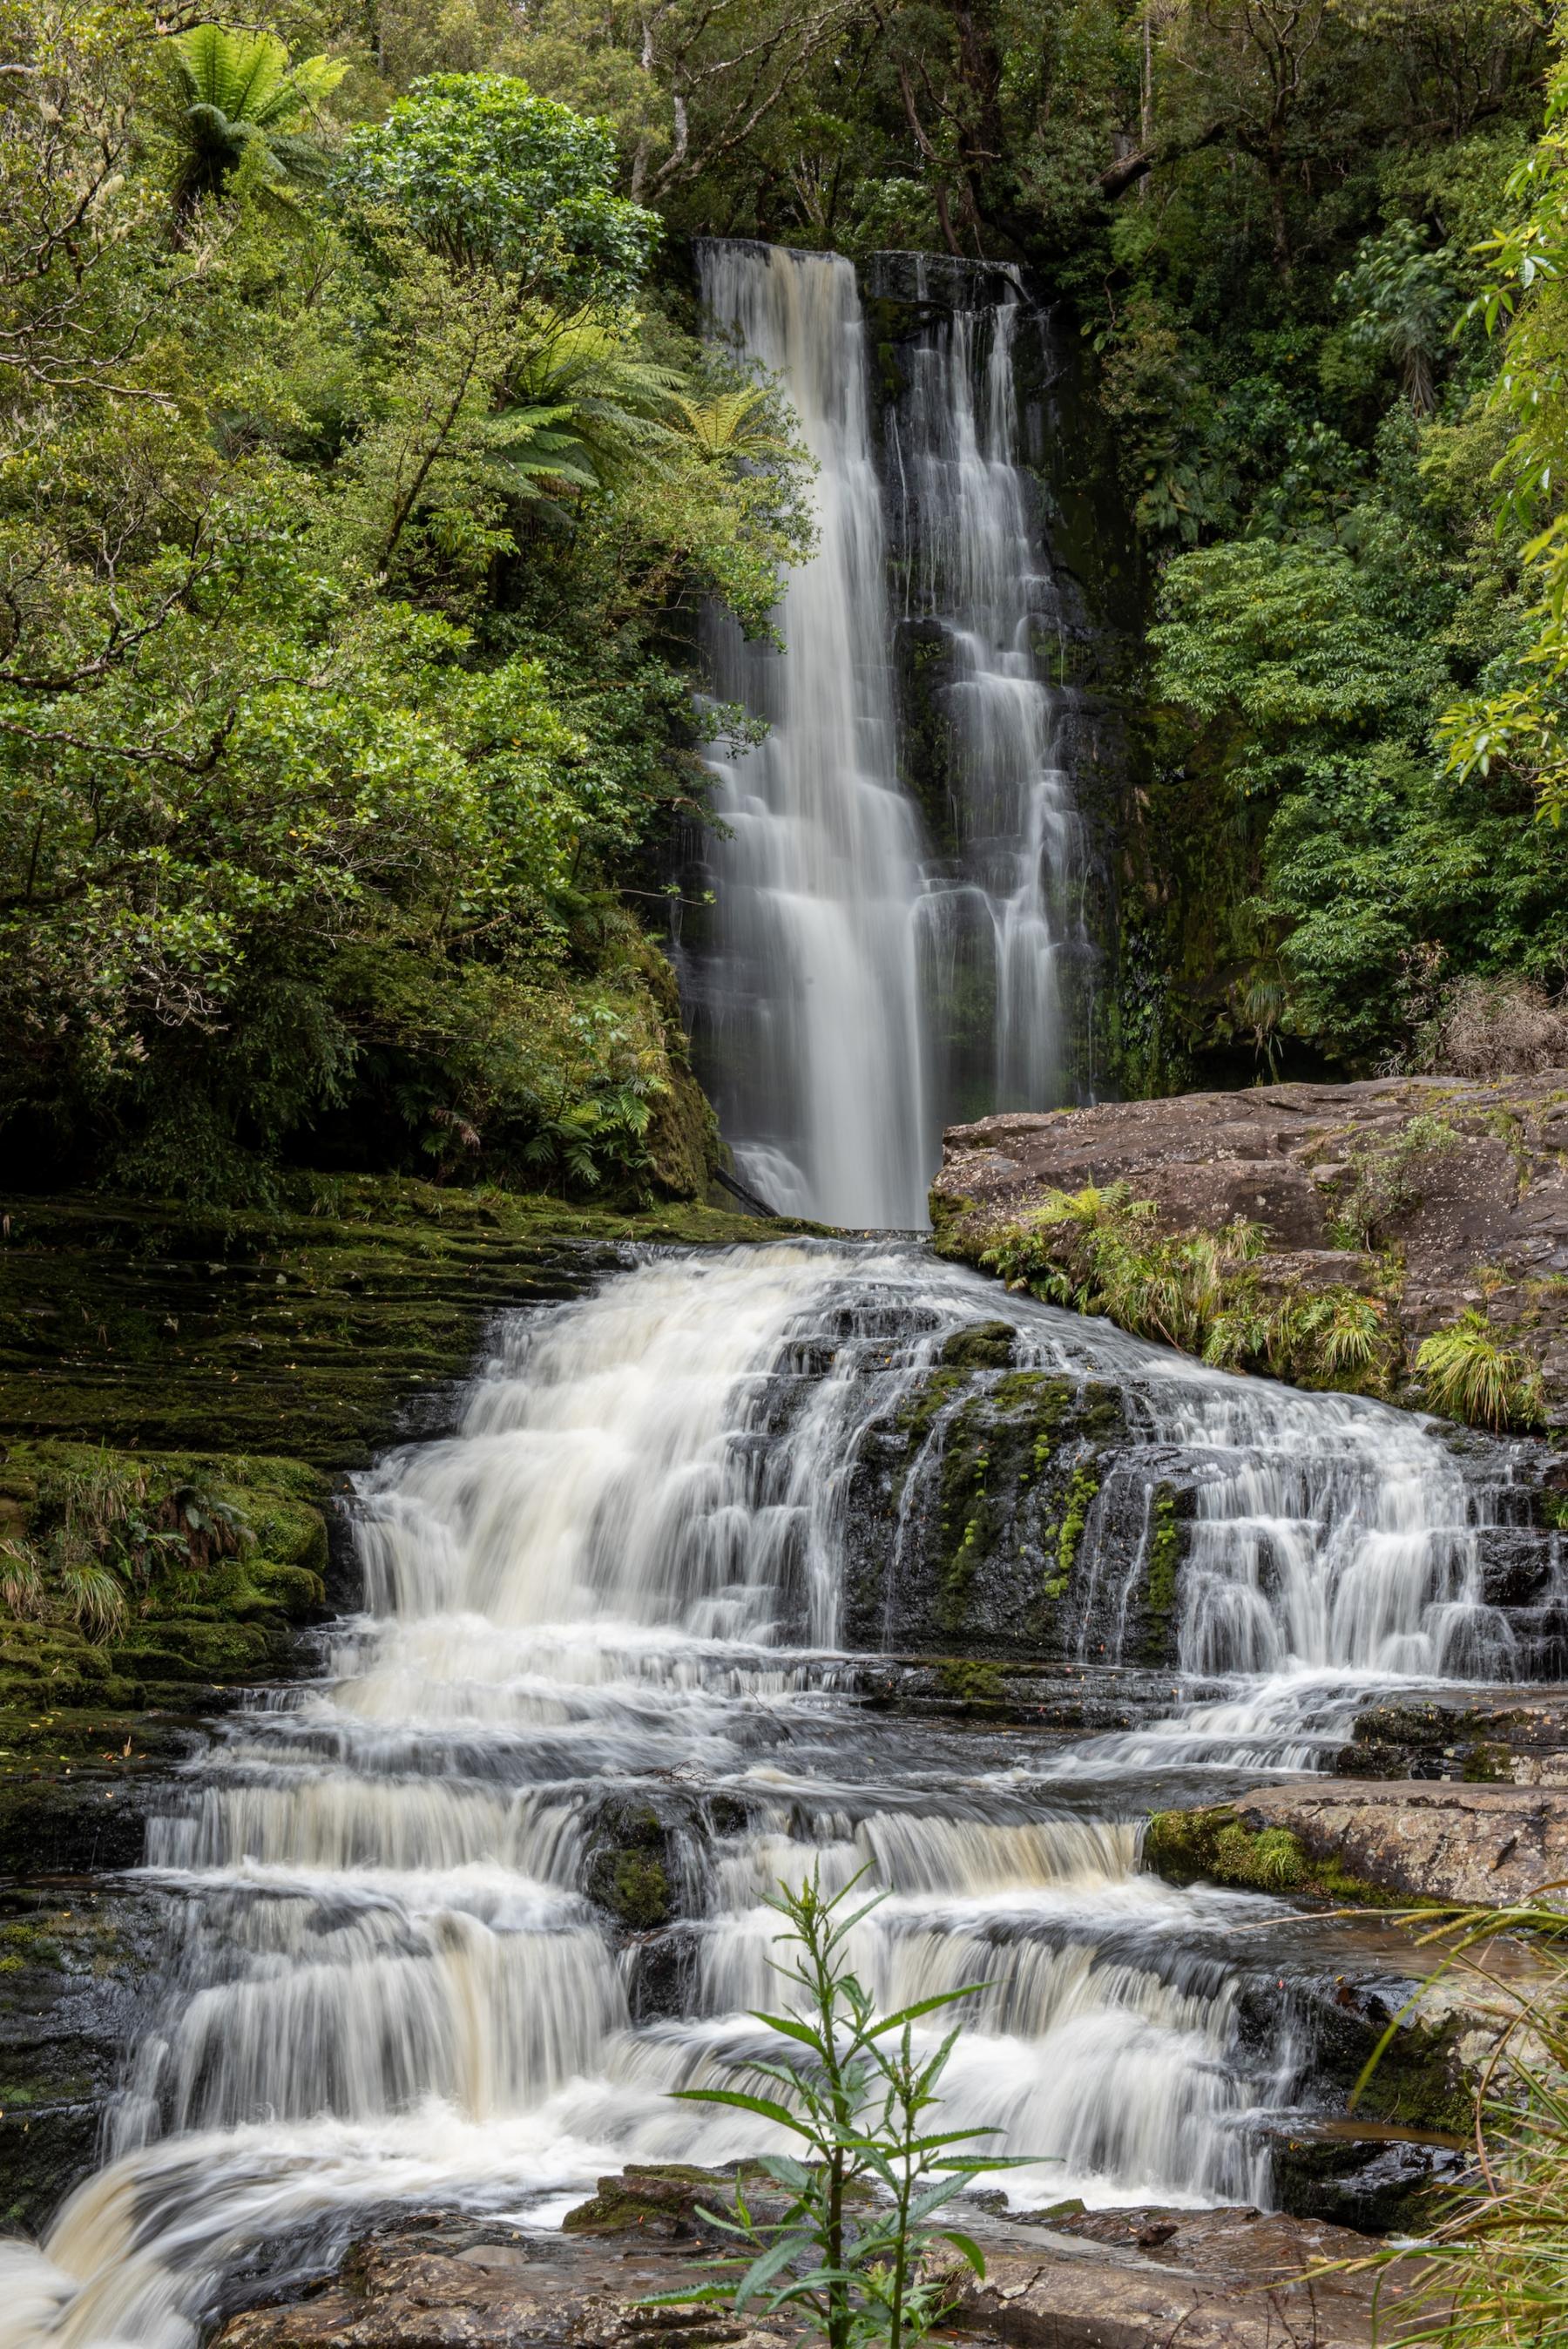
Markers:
103,1530
1494,2270
1401,298
852,2249
1467,1373
240,105
1099,1251
344,596
492,177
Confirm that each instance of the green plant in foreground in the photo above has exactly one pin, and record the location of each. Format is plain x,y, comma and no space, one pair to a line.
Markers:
1493,2273
1467,1375
850,2249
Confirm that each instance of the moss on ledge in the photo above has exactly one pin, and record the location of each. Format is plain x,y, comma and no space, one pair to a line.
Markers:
304,1330
129,1581
1217,1845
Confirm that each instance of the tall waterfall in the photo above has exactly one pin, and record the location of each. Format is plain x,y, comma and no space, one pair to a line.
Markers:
1007,956
865,985
615,1593
819,1051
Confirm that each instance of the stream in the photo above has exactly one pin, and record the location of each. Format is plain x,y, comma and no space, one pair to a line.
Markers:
614,1594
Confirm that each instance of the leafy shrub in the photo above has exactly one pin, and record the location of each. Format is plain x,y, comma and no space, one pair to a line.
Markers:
851,2250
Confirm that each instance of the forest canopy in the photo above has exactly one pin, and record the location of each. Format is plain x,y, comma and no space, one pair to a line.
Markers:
363,478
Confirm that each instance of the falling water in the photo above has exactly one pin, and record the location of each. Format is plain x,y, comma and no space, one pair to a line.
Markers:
1004,932
863,989
619,1585
814,1028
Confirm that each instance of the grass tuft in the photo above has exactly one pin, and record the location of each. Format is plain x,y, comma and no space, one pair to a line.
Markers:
1467,1375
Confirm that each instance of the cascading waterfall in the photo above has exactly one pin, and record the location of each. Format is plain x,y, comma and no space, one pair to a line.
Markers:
1003,934
812,1019
619,1585
863,989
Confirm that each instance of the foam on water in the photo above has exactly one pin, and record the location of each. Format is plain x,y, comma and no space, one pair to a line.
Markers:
621,1575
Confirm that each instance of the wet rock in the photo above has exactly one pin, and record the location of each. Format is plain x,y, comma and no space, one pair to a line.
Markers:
440,2283
993,1514
1486,1845
1461,1184
1377,2181
1229,2279
1516,1739
74,1960
630,1869
1107,2279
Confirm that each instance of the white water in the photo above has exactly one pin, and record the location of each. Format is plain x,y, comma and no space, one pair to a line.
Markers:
863,993
621,1581
1006,931
820,1049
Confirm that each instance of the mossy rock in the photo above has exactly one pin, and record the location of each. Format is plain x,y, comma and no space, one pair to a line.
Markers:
1217,1844
633,1887
983,1346
627,1872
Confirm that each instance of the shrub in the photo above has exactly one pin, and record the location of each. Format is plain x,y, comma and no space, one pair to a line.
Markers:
1498,1028
1468,1374
1099,1251
853,2091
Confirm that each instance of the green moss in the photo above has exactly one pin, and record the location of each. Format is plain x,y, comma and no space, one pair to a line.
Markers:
635,1887
970,1683
986,1346
1219,1845
1080,1495
301,1330
1160,1589
188,1618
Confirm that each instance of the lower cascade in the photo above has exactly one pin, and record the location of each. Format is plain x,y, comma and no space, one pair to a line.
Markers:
452,1918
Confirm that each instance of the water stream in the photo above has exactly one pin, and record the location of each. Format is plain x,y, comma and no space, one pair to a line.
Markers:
614,1597
868,984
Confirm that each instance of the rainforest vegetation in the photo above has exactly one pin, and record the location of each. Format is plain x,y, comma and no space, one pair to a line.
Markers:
365,477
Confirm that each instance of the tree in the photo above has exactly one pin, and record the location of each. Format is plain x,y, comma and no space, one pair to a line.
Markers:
239,108
490,176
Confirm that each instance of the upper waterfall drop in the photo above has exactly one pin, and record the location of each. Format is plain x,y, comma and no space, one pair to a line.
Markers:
876,971
1004,942
815,1027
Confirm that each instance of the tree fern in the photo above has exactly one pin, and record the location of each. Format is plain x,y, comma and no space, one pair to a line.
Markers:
240,102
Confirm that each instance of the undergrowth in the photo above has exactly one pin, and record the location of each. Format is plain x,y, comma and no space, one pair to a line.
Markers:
1465,1372
104,1532
1493,2273
1100,1251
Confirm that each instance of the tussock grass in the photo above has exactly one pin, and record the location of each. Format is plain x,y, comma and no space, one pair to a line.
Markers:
1467,1373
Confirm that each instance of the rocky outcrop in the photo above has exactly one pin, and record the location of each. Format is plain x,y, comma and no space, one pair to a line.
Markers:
1487,1845
1113,2279
1457,1189
1413,1839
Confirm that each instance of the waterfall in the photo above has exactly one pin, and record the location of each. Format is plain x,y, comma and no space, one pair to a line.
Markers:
815,1034
613,1595
864,987
1004,933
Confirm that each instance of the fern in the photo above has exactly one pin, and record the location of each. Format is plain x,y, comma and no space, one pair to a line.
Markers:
239,106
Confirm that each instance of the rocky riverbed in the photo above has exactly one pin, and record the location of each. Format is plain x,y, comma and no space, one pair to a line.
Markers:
1016,1608
1230,2279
